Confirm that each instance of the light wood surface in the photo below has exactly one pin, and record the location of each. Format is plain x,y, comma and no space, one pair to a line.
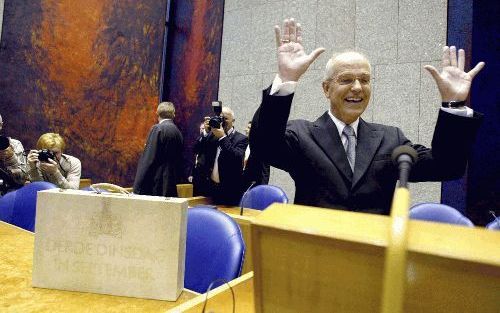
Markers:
85,182
193,201
17,295
220,299
313,260
184,190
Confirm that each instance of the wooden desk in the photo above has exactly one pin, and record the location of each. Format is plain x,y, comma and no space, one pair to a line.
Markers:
85,182
220,299
17,295
194,201
184,190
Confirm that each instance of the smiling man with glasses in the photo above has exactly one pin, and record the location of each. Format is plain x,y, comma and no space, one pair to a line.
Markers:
341,161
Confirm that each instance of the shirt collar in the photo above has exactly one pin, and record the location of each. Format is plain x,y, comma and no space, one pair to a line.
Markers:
165,119
229,132
340,125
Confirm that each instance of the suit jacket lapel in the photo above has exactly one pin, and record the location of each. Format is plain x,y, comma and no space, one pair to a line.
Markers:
325,133
367,143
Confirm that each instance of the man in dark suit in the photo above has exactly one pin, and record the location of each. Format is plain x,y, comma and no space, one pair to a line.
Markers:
341,161
219,165
160,166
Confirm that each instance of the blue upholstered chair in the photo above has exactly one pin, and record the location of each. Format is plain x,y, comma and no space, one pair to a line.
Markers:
440,213
494,225
214,248
7,206
262,196
24,210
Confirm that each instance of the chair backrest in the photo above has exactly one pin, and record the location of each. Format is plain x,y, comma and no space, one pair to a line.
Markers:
437,212
25,204
7,206
262,196
214,248
494,225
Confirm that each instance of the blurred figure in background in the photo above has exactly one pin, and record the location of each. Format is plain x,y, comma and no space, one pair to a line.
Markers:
48,163
195,174
12,163
254,170
160,166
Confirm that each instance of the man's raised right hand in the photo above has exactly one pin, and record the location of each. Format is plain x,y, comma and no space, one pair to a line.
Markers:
292,59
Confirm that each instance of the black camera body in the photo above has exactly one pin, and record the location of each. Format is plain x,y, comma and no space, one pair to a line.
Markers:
44,155
217,120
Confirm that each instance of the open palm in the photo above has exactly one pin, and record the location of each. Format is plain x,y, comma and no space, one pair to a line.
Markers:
453,82
293,61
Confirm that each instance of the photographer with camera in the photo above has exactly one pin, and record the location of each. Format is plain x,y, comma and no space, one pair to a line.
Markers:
12,163
220,150
48,163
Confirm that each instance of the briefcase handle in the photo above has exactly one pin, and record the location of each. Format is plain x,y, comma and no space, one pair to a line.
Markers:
108,187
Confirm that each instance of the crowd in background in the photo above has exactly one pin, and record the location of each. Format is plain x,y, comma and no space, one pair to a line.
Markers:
223,165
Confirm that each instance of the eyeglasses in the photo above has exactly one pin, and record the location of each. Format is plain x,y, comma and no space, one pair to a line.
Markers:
350,79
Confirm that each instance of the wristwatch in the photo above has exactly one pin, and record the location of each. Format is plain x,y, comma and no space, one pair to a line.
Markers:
453,104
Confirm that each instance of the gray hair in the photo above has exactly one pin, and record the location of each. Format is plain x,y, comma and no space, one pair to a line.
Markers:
330,65
166,110
228,110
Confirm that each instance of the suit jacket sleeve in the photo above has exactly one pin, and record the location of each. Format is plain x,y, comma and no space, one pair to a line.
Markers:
234,151
271,139
451,144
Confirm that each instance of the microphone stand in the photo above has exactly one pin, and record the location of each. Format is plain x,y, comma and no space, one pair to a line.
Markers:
244,194
394,281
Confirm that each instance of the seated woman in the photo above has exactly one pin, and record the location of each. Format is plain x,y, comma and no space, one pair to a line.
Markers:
48,163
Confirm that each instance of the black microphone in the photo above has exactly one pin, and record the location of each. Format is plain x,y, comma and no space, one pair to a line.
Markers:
243,197
404,157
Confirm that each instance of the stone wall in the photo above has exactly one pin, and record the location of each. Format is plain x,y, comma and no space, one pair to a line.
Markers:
399,38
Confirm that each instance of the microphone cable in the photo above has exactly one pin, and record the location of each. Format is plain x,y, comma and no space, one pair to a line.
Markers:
244,194
210,288
496,218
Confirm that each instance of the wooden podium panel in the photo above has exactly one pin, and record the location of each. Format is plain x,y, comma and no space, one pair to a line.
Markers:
320,260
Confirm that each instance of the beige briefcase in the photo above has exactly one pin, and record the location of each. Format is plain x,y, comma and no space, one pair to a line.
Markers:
124,245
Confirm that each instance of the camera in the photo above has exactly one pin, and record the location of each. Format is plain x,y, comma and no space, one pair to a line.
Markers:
44,155
217,120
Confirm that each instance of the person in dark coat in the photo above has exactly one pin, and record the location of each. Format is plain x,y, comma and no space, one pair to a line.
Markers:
160,166
219,166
